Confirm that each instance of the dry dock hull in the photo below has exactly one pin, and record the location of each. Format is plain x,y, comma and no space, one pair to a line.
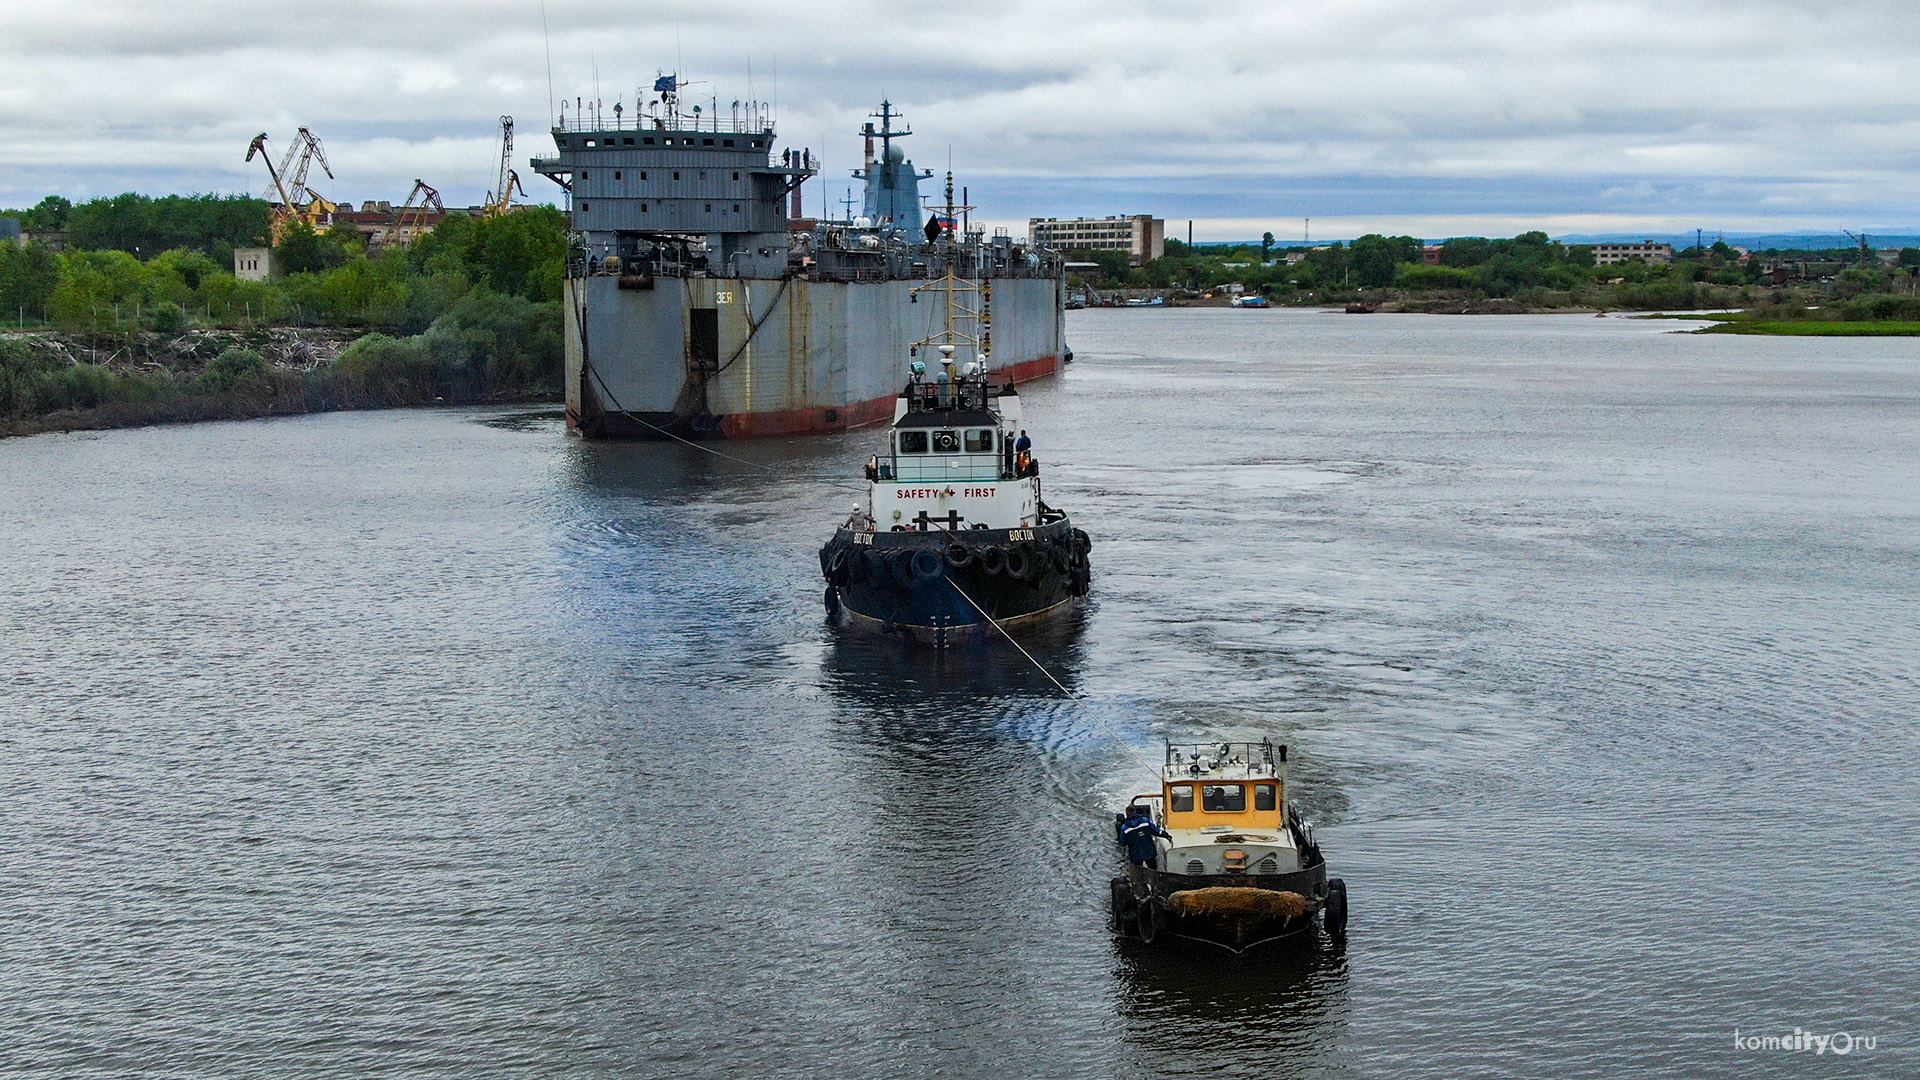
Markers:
736,357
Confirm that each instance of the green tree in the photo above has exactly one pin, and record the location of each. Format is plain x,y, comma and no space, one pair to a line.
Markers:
1266,247
233,369
522,253
1465,251
1113,264
303,251
28,275
48,215
1377,259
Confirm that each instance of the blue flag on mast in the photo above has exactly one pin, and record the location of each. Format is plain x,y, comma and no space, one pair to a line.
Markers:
666,84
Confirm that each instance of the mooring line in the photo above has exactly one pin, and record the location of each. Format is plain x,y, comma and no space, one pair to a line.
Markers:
1042,668
1004,632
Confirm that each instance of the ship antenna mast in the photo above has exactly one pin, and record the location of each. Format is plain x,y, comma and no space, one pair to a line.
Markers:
958,309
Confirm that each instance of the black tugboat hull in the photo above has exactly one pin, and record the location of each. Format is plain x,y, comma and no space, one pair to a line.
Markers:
945,588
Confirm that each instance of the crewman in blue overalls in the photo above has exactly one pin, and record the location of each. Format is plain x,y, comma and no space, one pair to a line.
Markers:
1137,832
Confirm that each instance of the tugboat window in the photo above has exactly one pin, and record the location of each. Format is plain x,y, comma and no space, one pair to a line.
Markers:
946,442
980,441
913,442
1181,799
1223,798
1263,796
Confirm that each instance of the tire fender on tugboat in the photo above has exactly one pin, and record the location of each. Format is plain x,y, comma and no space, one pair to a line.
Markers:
1147,921
1335,915
925,564
993,560
1019,563
959,555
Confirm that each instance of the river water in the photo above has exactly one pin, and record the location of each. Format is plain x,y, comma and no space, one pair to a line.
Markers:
438,743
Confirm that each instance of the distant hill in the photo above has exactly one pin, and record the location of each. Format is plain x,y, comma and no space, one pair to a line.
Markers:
1750,241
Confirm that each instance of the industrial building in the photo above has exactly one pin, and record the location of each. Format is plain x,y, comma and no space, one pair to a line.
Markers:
1142,236
1645,251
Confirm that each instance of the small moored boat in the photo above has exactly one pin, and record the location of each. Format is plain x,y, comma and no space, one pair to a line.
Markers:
1236,866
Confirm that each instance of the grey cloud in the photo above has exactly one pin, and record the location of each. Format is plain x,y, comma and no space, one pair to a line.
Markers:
1610,96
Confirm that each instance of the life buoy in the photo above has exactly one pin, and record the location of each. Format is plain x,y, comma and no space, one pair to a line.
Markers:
993,560
1019,563
925,563
959,555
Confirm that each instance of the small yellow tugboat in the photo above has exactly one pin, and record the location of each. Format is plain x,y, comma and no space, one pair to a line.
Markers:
1219,855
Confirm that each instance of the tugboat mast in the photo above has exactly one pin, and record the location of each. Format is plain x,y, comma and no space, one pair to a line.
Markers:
954,287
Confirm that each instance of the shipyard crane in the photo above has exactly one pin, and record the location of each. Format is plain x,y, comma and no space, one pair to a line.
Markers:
500,199
298,202
1866,253
406,225
259,146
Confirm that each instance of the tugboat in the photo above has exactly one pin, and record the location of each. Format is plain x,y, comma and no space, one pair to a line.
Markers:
1237,867
954,537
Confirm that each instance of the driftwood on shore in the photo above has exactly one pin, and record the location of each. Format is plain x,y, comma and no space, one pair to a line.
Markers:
293,348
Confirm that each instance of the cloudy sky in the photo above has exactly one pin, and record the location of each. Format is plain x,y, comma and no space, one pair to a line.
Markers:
1435,118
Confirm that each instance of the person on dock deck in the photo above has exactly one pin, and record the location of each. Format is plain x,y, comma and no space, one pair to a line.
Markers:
1137,832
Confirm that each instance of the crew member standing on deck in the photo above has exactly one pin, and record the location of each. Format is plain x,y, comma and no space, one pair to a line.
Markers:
1137,832
1022,444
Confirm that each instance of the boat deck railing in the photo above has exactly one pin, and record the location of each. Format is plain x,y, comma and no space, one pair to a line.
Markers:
936,468
1266,752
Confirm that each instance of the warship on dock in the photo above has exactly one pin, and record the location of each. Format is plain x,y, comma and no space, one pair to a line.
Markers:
700,304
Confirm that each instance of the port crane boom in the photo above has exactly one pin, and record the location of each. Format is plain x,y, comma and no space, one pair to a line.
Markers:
406,225
500,199
298,202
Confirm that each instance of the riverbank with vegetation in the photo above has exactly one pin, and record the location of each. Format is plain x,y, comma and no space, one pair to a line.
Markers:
1527,274
1866,315
1817,328
120,335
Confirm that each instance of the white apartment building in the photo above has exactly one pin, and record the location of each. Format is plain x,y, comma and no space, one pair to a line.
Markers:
1645,251
1141,236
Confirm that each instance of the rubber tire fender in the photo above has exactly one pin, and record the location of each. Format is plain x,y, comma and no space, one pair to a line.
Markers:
1019,563
993,560
900,566
837,565
1122,904
832,600
1335,915
959,555
1149,922
925,564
